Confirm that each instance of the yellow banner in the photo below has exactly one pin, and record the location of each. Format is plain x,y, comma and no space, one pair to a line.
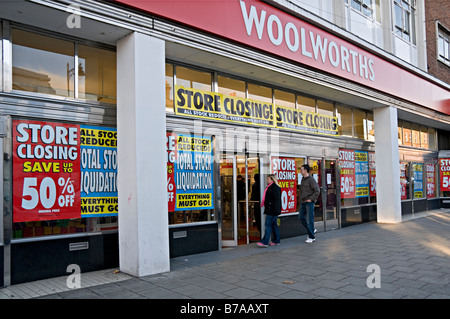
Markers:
298,120
216,106
104,206
93,137
194,200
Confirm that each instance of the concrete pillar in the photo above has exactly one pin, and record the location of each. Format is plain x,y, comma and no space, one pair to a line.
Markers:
387,165
142,171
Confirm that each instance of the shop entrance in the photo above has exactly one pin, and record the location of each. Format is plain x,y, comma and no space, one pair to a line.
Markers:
325,210
240,195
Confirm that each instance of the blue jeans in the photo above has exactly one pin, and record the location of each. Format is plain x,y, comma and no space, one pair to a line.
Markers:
271,227
306,217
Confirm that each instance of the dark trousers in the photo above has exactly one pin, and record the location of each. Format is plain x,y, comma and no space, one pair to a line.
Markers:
306,217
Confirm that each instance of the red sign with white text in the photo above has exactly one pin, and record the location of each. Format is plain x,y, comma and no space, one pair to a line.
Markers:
431,180
171,147
372,175
347,168
262,26
46,171
444,168
285,170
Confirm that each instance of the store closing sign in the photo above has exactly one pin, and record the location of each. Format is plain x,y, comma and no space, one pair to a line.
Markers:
219,107
216,106
189,172
46,171
60,173
347,168
444,168
286,171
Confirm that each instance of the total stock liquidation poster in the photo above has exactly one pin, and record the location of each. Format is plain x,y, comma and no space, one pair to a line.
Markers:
63,171
190,165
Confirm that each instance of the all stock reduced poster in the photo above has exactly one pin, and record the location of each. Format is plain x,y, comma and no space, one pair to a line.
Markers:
189,172
63,171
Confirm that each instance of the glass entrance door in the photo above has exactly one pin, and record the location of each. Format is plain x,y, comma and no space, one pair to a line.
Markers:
325,210
241,216
330,202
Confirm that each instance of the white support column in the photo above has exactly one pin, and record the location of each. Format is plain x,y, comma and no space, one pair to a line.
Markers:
142,172
387,165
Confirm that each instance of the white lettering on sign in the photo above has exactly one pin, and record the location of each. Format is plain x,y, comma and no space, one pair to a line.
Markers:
322,48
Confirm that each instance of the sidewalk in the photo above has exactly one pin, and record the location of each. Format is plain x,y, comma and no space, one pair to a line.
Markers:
413,257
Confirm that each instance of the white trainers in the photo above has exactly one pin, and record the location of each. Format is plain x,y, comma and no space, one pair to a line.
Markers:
315,231
310,240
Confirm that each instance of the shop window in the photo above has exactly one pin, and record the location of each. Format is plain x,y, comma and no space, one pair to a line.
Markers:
190,216
400,139
285,99
431,170
418,180
357,177
190,181
42,64
424,137
404,180
259,93
305,103
63,227
169,88
194,79
370,125
96,74
229,86
325,108
432,140
406,135
415,134
359,120
444,177
345,124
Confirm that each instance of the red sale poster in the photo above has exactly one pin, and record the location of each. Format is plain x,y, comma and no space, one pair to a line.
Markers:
431,180
403,181
372,174
285,170
46,171
171,143
347,168
444,172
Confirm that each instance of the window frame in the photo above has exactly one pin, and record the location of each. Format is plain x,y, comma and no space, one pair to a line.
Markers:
444,34
363,8
407,30
8,72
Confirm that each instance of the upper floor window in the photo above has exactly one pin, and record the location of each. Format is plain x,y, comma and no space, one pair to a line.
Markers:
443,45
404,20
48,65
363,6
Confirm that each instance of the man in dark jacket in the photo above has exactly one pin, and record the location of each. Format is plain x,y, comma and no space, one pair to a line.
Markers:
271,202
309,193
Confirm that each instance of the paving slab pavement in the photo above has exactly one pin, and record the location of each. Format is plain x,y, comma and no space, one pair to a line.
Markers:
409,260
